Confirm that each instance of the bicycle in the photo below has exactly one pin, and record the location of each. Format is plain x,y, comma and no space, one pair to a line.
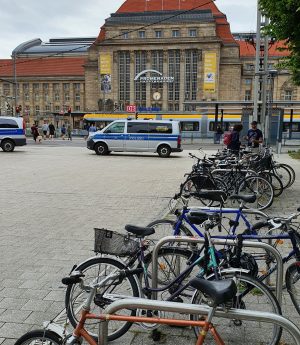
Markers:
175,266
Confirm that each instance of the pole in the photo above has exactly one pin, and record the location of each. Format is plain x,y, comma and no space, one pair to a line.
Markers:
257,67
15,83
291,123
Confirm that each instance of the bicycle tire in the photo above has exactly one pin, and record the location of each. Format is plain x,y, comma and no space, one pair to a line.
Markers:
292,277
165,227
40,335
259,186
244,332
276,183
283,174
91,269
291,171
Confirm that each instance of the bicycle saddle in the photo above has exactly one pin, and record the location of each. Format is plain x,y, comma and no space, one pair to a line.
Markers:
220,291
139,231
197,217
247,198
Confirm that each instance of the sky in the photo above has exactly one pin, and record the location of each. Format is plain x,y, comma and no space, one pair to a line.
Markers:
21,21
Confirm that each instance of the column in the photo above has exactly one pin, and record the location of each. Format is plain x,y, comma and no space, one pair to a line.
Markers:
182,80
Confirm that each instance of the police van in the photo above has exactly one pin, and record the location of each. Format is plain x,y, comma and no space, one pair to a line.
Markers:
12,133
158,136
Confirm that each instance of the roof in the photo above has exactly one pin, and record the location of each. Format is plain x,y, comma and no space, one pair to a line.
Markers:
43,67
167,8
248,50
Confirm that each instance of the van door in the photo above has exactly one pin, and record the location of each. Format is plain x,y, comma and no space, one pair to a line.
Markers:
137,136
115,137
160,132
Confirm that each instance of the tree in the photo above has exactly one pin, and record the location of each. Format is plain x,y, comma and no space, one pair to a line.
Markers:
284,25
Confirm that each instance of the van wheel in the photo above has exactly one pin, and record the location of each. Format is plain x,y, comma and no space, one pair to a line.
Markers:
101,149
164,151
7,146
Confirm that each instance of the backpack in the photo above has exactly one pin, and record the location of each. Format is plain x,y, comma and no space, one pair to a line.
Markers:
227,138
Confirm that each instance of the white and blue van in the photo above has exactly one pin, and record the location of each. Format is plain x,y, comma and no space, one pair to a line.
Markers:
12,133
158,136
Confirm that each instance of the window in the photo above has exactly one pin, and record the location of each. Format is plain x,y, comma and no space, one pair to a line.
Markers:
57,108
67,97
45,87
174,71
66,87
56,87
191,74
46,97
47,107
137,127
124,78
248,81
192,32
6,89
26,96
142,34
56,97
248,95
36,97
8,123
36,87
249,67
125,35
117,127
77,107
160,128
77,97
175,33
140,87
25,87
158,34
189,126
288,95
37,109
77,86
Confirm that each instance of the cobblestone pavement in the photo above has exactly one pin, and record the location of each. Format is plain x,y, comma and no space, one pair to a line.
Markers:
53,197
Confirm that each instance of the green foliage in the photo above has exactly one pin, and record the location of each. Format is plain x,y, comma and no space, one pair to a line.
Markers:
285,25
295,154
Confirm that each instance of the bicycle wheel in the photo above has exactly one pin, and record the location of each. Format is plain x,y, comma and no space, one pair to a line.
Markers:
290,170
275,182
253,295
165,227
39,337
95,270
292,279
261,188
284,175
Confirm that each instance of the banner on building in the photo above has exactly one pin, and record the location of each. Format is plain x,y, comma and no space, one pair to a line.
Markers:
105,72
210,70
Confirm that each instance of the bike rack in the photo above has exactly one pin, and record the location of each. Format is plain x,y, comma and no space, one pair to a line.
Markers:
239,314
188,239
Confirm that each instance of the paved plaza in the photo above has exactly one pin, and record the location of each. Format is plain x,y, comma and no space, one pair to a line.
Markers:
51,199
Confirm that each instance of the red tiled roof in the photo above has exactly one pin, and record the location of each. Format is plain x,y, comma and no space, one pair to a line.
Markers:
129,6
44,67
248,50
166,5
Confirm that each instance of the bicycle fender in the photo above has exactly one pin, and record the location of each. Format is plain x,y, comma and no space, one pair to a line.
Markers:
55,328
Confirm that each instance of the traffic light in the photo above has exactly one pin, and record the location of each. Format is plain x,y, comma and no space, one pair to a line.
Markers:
136,116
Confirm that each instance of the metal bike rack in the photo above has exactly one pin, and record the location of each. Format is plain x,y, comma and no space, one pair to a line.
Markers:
238,314
188,239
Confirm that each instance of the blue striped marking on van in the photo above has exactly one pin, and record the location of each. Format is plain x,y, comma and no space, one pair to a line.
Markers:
11,131
150,137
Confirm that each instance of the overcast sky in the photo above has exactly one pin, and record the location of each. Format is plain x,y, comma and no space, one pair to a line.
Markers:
21,21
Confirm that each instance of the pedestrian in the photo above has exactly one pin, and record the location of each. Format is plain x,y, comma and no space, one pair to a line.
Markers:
219,133
45,128
254,136
51,131
63,131
69,132
92,128
233,142
35,133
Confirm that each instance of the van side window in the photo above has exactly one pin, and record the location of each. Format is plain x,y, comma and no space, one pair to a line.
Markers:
117,127
137,127
8,123
165,128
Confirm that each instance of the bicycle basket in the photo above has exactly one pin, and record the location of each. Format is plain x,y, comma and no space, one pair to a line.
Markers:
111,242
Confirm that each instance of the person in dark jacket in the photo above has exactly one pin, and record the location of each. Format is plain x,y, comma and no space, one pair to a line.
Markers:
235,138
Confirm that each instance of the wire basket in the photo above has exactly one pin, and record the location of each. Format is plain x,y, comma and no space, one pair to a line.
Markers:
113,243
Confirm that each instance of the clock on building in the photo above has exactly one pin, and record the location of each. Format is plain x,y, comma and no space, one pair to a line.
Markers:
156,96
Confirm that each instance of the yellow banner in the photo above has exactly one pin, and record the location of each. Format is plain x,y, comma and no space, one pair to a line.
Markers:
210,70
105,63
